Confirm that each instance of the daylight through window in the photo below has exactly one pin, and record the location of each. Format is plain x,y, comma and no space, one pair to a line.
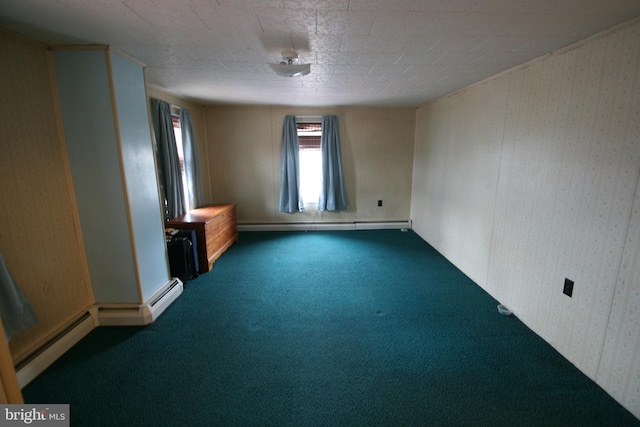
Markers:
309,134
177,131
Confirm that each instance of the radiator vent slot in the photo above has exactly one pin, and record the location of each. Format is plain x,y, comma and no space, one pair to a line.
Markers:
169,288
40,359
44,347
122,308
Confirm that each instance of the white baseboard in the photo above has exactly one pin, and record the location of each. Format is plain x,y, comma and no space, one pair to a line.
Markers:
98,315
54,348
320,226
140,314
391,225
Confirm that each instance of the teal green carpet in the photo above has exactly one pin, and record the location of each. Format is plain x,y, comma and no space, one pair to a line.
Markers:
364,328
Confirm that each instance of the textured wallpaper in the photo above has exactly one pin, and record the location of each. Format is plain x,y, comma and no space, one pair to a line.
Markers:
530,178
38,238
377,155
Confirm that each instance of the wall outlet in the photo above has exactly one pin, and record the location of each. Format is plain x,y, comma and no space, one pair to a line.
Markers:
568,287
379,202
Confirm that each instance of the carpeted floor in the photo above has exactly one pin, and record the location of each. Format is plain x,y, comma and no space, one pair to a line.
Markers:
349,328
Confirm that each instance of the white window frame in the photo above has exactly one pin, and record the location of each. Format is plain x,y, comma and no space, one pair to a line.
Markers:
310,163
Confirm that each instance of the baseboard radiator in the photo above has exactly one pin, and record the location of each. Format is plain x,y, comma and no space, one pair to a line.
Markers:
140,314
320,226
98,315
53,348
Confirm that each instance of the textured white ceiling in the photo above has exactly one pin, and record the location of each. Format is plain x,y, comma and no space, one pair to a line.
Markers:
363,52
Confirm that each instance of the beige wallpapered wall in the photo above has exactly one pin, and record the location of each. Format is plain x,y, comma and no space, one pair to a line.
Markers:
377,152
38,238
531,178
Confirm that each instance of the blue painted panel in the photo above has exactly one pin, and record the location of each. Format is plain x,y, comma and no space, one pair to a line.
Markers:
87,115
140,174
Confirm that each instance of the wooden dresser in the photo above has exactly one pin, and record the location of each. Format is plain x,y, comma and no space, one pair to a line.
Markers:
216,229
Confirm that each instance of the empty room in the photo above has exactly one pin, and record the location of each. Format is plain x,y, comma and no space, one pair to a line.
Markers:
320,212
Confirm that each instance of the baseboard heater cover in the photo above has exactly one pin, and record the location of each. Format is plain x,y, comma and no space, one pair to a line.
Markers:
140,314
390,225
41,359
99,315
329,226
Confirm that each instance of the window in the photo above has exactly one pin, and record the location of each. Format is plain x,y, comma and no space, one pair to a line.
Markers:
309,134
177,131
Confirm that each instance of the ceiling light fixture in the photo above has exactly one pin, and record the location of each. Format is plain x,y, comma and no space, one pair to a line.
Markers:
290,65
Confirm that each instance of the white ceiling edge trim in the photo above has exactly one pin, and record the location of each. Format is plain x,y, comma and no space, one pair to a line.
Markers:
561,51
604,33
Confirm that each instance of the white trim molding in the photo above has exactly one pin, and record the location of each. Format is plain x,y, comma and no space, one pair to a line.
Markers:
140,314
97,315
55,347
324,226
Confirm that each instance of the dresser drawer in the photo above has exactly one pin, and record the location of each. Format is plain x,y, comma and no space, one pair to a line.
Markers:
216,229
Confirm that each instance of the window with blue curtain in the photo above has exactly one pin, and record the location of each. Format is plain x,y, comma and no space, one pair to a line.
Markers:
333,196
180,181
290,198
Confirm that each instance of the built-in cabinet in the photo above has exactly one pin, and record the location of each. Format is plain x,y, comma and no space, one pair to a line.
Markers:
105,118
